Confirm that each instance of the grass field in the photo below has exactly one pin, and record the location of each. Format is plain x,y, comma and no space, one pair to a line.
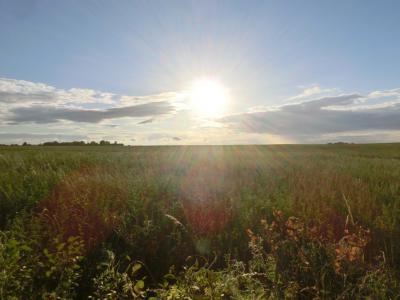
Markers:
200,222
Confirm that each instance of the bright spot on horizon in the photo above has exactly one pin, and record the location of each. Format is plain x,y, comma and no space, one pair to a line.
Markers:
208,97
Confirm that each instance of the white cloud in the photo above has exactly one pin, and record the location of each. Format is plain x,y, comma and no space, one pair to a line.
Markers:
28,102
388,93
29,109
17,92
326,116
310,91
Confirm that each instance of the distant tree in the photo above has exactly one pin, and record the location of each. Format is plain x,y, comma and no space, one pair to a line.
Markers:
76,143
53,143
82,143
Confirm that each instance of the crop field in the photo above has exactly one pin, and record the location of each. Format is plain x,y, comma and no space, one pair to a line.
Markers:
200,222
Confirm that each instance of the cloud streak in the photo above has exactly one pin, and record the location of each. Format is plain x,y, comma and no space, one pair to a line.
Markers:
48,114
328,115
29,102
27,106
18,92
311,91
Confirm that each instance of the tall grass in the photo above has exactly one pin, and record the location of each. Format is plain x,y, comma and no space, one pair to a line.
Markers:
74,216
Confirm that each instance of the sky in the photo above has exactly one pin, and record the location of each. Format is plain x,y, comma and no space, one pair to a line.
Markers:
200,72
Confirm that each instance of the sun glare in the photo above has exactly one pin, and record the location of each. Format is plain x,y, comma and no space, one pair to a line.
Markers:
208,97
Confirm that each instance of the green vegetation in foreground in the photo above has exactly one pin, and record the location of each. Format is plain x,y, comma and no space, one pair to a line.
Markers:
217,222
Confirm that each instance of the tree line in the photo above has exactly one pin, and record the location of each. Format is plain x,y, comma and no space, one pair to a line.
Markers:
73,143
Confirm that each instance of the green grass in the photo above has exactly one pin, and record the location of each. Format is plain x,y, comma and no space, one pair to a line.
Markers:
175,222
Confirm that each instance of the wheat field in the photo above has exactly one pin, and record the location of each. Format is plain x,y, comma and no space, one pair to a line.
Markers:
200,222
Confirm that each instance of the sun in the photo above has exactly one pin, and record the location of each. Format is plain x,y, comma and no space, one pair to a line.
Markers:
208,97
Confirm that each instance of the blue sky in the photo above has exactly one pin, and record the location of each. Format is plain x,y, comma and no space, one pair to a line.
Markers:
78,69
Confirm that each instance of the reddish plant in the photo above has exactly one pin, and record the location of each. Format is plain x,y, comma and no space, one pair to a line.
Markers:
85,206
207,217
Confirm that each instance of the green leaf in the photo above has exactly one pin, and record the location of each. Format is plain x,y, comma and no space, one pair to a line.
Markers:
139,286
136,267
170,276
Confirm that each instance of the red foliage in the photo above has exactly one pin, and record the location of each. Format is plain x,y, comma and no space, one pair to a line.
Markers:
78,207
207,217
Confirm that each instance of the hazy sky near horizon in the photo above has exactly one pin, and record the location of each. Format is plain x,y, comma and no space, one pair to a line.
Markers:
292,71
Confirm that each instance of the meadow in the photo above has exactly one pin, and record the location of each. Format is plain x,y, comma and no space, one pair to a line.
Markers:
200,222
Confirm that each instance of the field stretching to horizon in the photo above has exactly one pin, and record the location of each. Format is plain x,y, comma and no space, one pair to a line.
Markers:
200,222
